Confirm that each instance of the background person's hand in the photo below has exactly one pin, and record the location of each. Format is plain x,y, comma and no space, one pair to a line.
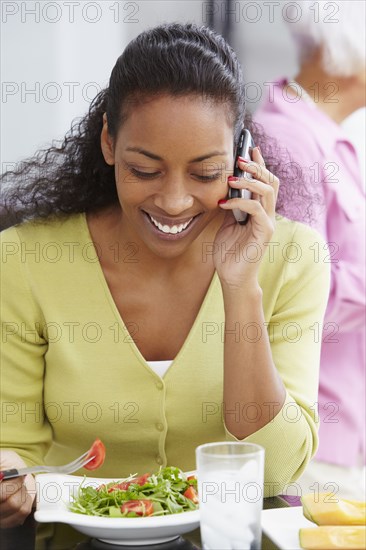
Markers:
16,495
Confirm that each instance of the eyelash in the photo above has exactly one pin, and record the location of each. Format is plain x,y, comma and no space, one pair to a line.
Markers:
149,176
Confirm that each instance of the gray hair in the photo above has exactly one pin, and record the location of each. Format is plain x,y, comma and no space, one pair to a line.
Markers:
337,29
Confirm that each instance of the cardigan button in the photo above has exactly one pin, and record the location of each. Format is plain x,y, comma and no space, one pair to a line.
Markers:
160,426
159,385
159,460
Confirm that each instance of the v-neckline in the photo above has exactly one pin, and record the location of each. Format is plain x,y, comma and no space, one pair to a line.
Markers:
120,320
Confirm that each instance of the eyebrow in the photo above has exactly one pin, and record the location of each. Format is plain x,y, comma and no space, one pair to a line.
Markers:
156,157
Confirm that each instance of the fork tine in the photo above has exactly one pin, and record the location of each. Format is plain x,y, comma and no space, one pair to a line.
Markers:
71,466
76,464
77,460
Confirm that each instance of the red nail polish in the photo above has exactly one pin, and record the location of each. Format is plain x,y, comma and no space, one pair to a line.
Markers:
241,159
222,201
232,178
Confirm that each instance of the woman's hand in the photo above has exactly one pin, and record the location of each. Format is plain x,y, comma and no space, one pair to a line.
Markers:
240,248
16,495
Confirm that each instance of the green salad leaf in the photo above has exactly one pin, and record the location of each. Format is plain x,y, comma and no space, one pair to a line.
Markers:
166,492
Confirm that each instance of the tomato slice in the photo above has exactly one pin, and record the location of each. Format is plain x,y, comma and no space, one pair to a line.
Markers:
141,480
191,493
191,477
121,486
124,485
98,451
141,507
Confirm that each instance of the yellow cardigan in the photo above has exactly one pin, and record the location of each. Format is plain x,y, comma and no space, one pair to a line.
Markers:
70,371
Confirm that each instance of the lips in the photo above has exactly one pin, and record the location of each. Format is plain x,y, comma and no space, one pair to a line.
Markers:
168,226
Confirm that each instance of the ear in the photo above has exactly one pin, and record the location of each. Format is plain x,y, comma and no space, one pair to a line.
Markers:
106,143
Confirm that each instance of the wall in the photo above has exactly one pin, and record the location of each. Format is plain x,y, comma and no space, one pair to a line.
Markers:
64,52
56,56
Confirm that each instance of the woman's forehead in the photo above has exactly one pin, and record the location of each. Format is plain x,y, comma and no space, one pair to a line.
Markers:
182,114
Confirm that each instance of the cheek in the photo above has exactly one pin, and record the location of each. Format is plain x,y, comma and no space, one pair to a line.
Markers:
130,193
128,189
213,193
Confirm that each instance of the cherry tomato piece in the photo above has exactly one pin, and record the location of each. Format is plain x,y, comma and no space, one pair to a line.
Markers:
141,507
191,493
124,485
120,486
142,479
98,451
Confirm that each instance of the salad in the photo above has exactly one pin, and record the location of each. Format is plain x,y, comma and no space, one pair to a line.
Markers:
169,491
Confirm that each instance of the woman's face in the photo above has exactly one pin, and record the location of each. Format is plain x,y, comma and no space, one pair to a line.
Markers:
172,157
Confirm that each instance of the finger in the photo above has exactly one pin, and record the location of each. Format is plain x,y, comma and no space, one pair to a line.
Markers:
274,183
259,172
246,205
16,508
260,191
257,156
17,518
254,185
13,502
254,208
7,488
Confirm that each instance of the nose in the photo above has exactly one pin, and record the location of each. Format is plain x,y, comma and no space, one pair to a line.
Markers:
174,198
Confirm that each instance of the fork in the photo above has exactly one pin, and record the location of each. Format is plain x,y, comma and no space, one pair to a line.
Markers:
64,469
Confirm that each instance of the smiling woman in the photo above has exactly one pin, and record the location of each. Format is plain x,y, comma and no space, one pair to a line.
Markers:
186,176
151,265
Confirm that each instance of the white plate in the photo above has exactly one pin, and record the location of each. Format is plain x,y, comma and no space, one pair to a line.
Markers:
282,526
54,492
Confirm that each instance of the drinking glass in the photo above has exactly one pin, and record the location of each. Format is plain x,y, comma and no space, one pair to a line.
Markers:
230,487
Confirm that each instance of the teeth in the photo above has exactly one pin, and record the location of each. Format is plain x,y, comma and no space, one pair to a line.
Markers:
172,230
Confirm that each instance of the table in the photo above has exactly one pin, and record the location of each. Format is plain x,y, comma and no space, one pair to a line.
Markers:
57,536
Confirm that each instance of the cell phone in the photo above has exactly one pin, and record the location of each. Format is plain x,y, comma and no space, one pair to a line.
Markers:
244,149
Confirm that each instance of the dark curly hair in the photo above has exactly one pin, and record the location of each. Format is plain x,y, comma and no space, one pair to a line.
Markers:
178,59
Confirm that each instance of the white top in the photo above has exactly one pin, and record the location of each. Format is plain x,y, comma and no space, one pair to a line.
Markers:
159,367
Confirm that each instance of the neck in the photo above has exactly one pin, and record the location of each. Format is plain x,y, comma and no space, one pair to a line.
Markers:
336,96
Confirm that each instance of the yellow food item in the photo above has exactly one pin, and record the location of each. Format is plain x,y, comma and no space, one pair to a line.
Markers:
326,512
330,537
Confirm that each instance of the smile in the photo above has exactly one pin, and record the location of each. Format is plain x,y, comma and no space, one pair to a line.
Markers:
170,229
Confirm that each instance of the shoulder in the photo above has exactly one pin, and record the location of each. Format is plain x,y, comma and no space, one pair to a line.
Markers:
295,253
294,231
303,252
294,273
297,236
43,247
58,227
297,126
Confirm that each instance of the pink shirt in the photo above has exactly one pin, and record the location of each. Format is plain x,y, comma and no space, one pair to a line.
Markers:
319,145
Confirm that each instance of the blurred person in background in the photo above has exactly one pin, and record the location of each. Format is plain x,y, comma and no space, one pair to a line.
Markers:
305,115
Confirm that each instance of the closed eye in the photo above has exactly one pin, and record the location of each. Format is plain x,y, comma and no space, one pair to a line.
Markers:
144,175
151,175
212,177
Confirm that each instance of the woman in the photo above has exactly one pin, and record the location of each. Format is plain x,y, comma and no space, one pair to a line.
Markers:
133,224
